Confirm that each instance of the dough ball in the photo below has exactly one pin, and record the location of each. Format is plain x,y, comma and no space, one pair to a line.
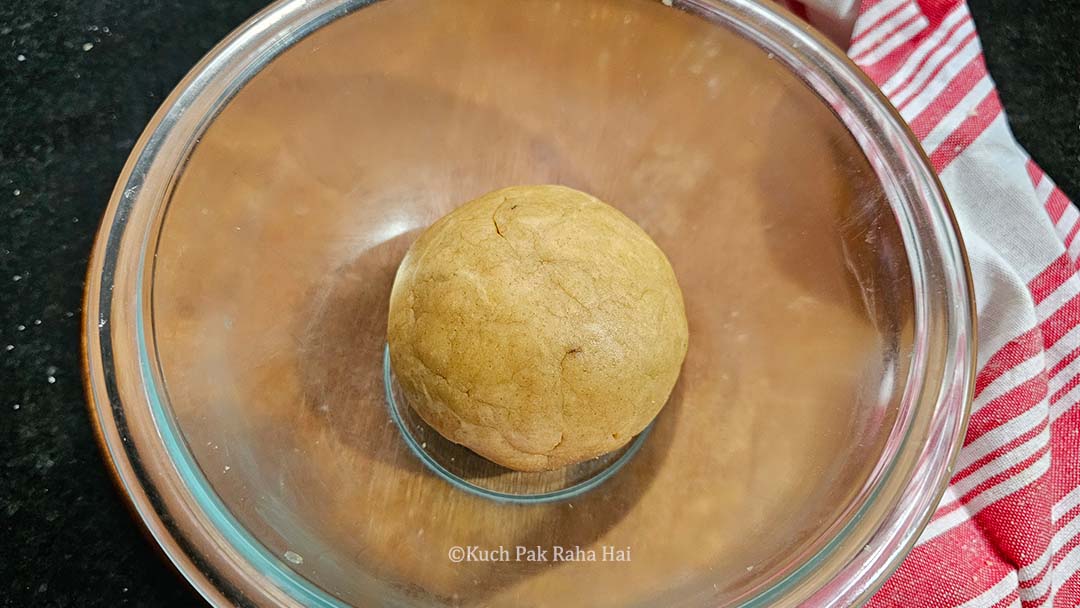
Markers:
537,326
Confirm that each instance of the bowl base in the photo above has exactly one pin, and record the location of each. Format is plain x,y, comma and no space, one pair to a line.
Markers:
468,471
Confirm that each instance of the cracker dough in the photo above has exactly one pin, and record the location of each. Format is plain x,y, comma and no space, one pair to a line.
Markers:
537,326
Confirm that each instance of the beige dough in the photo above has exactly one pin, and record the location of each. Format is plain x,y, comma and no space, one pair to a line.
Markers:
537,326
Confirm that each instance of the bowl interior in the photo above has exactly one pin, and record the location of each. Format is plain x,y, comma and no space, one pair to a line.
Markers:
281,238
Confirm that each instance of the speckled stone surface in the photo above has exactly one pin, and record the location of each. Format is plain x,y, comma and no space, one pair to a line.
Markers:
78,81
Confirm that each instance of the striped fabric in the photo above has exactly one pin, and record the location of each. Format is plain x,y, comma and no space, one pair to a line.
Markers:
1007,532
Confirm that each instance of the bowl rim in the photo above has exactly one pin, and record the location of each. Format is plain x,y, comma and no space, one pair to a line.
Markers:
211,578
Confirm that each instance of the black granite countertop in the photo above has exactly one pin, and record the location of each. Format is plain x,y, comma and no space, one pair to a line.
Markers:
78,81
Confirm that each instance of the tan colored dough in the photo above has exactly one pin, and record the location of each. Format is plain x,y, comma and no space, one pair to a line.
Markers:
537,326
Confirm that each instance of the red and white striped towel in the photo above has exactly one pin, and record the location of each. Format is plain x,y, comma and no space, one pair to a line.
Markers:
1007,532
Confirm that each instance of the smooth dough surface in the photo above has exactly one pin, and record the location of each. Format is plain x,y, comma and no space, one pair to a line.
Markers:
537,326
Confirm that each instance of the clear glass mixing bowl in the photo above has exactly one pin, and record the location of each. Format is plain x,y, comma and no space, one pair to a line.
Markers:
237,295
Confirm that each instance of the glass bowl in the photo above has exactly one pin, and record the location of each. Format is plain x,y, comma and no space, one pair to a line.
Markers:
237,294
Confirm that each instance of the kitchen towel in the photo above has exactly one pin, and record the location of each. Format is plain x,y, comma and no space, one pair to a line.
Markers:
1007,532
